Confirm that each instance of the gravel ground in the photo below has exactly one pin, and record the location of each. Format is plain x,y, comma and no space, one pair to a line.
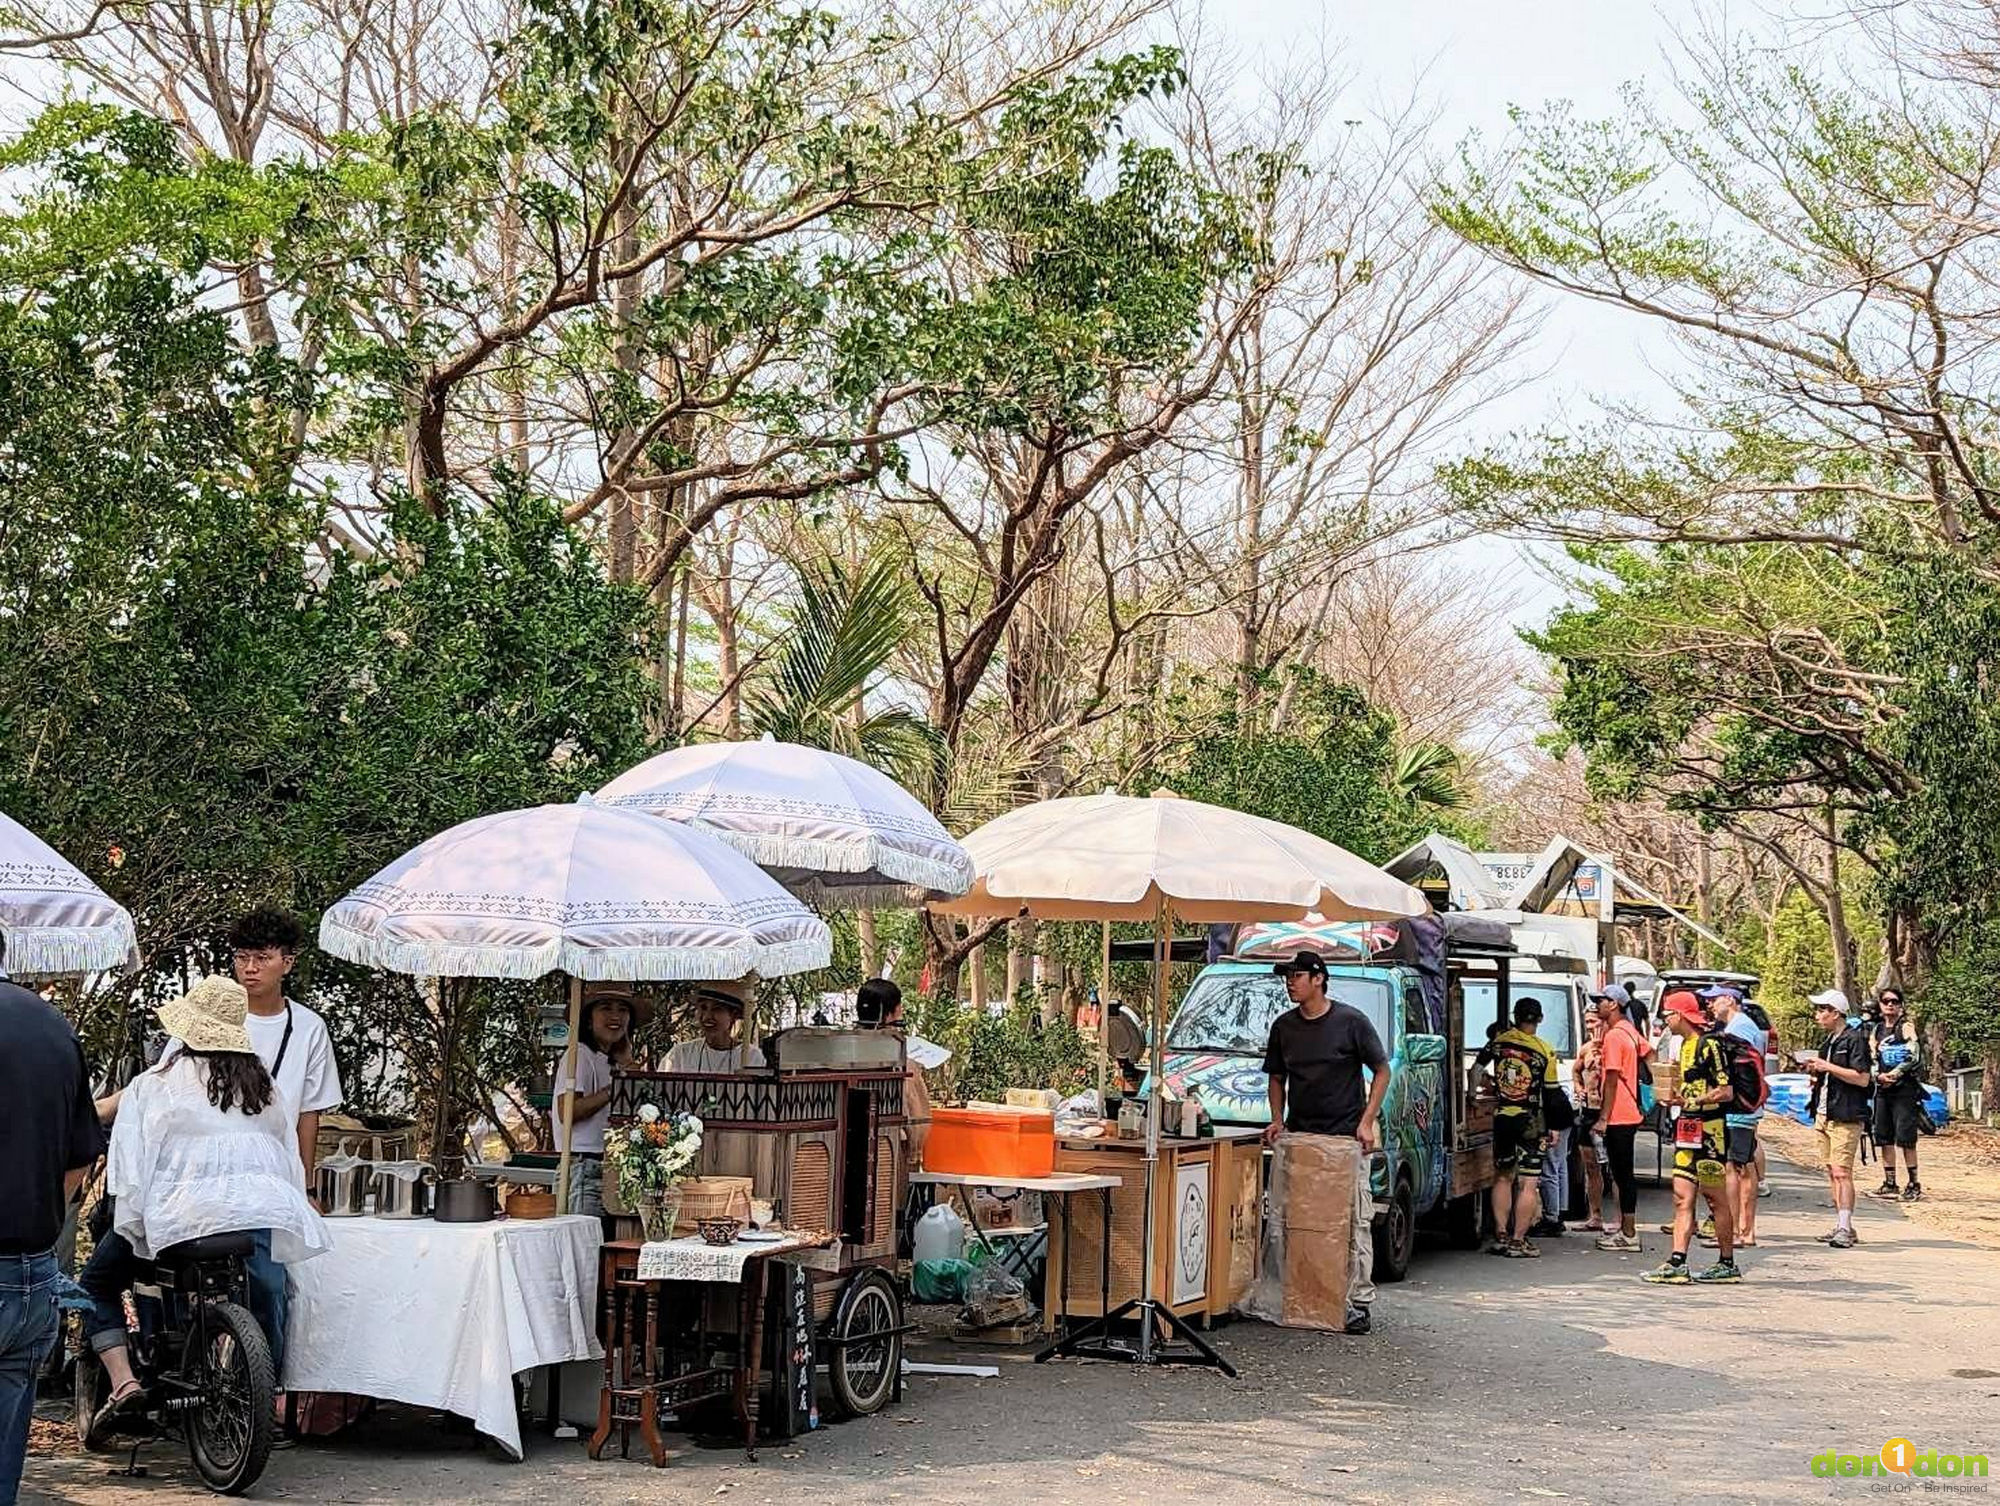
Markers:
1565,1378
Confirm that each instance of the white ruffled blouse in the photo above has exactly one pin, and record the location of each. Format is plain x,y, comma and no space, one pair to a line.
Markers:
181,1168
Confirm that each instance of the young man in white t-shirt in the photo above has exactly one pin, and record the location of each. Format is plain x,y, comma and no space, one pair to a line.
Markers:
292,1042
290,1039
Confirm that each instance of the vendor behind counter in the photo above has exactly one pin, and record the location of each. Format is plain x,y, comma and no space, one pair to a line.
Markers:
879,1006
719,1051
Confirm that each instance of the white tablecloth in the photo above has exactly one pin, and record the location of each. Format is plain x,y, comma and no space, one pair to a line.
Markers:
692,1258
444,1315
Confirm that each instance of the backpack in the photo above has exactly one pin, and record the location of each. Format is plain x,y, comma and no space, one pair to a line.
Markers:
1518,1072
1746,1073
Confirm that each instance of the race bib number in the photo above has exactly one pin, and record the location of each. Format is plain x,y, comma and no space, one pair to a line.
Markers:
1687,1130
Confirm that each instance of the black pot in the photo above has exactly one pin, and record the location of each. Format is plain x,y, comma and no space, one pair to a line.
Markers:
464,1202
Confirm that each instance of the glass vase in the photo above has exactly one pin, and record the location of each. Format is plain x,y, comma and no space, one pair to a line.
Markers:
657,1214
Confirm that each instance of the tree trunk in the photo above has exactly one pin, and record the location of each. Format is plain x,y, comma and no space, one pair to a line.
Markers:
1704,892
1018,940
1844,970
1249,611
871,950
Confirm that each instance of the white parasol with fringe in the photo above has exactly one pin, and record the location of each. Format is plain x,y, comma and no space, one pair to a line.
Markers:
596,893
836,832
600,894
55,920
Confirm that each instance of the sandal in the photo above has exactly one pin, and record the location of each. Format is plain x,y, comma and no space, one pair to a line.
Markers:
115,1408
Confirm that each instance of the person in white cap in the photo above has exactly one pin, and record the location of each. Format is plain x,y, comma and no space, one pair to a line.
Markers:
1839,1104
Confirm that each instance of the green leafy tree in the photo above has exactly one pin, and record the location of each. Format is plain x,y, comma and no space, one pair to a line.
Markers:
1328,768
212,705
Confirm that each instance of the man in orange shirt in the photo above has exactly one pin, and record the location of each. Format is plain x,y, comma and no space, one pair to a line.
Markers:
1623,1051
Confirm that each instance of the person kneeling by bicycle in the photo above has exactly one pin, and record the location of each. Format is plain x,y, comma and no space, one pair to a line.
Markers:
201,1147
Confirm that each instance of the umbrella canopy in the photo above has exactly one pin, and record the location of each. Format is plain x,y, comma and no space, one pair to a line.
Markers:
1124,857
56,920
600,894
827,827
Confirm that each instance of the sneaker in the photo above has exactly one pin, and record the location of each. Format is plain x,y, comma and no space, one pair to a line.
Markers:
1357,1321
1763,1189
1498,1247
1623,1243
1546,1228
1723,1271
1843,1239
1673,1273
1523,1250
1886,1190
1912,1192
1706,1228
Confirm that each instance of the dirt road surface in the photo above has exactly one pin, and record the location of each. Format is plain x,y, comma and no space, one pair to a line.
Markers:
1559,1379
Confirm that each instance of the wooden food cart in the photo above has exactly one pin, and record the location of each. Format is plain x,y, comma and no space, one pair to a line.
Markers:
825,1145
1207,1205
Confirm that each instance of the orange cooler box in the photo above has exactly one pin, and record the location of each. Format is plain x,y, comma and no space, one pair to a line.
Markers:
994,1142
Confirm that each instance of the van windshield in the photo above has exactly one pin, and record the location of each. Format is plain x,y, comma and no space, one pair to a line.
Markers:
1231,1012
1553,997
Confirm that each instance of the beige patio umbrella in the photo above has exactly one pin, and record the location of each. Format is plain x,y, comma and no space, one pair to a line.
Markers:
1159,859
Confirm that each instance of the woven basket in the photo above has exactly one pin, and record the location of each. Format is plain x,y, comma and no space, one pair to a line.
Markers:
526,1202
712,1197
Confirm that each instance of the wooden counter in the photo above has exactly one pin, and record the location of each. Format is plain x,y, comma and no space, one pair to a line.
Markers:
1208,1214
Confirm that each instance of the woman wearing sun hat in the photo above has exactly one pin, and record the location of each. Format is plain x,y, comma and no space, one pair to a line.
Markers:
201,1147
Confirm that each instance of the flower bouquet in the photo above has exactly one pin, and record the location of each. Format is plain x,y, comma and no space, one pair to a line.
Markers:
650,1157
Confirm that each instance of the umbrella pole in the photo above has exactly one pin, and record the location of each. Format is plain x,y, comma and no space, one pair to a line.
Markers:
568,1074
1104,1014
1163,942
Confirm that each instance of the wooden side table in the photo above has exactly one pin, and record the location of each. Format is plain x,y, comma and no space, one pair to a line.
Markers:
642,1378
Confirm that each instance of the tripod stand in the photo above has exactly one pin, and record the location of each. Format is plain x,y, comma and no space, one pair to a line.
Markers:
1177,1343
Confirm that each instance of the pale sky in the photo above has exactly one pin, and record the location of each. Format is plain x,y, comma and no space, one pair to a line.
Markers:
1473,59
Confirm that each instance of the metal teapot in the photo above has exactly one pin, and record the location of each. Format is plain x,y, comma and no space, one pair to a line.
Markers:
404,1189
342,1183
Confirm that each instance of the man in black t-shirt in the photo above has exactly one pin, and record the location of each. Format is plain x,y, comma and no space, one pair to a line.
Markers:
49,1136
1313,1062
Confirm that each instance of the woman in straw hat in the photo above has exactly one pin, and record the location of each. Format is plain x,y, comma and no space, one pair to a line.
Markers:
201,1147
718,1011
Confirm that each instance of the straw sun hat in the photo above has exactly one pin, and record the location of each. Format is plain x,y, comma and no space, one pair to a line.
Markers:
209,1017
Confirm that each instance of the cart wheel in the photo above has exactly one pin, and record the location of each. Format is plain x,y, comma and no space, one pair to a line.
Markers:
867,1349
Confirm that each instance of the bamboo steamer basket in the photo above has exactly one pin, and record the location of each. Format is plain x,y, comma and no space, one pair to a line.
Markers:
712,1197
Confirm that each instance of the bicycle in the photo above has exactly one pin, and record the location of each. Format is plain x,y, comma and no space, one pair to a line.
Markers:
203,1361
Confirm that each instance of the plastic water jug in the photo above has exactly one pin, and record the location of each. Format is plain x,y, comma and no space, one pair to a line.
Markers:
940,1235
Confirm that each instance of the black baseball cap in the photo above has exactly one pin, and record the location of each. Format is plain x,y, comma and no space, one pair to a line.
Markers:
1302,962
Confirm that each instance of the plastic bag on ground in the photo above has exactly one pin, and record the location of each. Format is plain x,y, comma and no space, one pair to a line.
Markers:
940,1280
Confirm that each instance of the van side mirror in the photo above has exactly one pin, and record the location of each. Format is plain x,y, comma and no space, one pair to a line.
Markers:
1421,1049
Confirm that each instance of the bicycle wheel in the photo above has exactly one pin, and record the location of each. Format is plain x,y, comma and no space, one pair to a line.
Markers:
227,1363
867,1354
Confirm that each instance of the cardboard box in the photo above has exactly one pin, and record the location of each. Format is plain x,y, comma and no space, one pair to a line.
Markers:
1320,1174
999,1209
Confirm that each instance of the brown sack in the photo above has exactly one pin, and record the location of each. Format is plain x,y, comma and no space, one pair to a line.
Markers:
1308,1244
